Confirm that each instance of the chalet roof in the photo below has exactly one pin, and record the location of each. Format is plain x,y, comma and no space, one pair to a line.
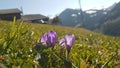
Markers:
33,17
9,11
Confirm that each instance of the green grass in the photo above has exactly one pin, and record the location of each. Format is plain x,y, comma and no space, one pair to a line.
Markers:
90,50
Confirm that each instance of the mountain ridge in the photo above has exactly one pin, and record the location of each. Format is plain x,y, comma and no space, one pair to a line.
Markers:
93,21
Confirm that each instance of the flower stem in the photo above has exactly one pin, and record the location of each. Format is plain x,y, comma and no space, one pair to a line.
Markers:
66,55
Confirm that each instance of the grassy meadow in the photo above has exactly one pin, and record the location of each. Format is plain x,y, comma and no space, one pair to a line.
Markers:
20,47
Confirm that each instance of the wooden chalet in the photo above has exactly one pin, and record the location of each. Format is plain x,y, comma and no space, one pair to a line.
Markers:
8,14
35,18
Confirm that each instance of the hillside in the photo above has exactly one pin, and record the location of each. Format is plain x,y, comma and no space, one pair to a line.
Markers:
90,49
111,22
99,20
72,17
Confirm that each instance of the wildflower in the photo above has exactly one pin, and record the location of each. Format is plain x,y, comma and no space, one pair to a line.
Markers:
62,42
44,39
49,39
67,41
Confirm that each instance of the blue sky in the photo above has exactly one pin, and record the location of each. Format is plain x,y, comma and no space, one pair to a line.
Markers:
53,7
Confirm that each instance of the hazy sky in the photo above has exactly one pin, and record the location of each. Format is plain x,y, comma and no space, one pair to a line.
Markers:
53,7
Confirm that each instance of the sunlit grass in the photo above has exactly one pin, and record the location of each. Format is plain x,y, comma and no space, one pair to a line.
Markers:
90,50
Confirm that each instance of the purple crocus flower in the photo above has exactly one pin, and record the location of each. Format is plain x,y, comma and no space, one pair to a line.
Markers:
51,38
44,39
67,41
62,42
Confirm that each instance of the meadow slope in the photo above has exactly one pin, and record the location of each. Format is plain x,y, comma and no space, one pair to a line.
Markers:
90,49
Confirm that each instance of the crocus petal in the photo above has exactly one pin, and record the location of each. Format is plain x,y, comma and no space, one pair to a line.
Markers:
69,40
62,42
52,38
44,39
55,34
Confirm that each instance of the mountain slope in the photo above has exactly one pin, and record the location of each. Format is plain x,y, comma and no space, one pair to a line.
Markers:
72,17
69,17
104,20
111,22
